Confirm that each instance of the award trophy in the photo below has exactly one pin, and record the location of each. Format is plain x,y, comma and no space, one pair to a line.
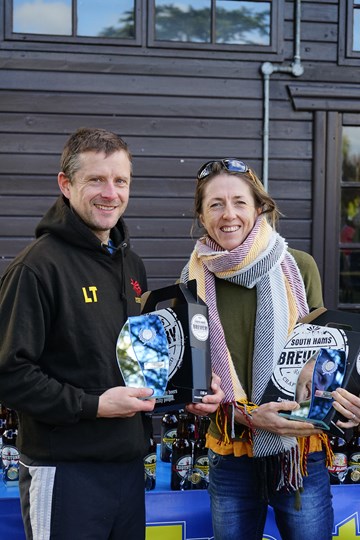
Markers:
321,355
142,353
179,367
322,374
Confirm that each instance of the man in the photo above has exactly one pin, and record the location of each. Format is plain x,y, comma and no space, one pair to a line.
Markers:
64,300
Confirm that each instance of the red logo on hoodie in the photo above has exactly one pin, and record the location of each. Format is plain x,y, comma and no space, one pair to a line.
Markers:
136,287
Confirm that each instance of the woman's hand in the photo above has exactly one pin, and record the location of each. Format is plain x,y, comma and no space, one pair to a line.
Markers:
267,417
348,405
209,402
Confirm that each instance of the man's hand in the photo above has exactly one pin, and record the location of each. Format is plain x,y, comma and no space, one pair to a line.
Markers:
210,402
123,402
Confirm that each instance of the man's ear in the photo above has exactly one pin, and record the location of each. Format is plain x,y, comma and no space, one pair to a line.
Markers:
64,184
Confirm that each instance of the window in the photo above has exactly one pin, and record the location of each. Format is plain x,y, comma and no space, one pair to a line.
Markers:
68,19
356,26
234,22
349,32
220,24
223,25
349,285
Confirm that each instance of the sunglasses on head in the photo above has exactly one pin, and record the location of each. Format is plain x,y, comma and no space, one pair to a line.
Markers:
230,164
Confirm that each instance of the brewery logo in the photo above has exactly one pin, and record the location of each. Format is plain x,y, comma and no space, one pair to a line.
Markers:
199,327
169,437
183,466
304,342
200,471
175,337
150,465
10,456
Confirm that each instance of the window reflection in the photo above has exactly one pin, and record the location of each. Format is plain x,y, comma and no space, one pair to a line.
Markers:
351,154
356,30
181,21
243,22
349,284
42,17
349,290
236,22
112,19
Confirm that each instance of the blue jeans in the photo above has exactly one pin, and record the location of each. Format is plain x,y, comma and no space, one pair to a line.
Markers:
239,512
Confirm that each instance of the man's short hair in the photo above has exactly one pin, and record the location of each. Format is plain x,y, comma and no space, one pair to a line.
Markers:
89,140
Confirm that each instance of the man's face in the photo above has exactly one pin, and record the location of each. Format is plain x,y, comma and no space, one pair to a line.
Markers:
304,382
99,191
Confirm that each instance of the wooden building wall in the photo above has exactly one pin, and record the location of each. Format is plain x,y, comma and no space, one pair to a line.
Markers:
176,109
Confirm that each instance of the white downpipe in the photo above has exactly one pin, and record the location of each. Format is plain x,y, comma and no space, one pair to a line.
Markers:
267,69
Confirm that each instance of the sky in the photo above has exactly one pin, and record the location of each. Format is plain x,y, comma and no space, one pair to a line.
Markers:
54,16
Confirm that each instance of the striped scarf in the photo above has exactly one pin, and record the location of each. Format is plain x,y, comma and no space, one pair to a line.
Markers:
261,261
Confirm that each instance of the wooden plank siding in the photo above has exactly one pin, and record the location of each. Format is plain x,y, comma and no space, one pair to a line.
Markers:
175,108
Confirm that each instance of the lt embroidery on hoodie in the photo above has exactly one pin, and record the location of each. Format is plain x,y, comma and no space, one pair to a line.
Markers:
90,294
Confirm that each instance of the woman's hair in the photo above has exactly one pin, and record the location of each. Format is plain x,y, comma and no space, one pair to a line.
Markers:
261,197
89,140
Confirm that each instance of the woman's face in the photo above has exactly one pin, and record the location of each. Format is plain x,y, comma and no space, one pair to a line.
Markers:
228,210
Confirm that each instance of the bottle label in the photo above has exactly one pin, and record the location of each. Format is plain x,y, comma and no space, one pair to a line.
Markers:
339,463
354,468
10,433
169,437
150,465
12,473
10,456
354,459
200,472
183,466
202,463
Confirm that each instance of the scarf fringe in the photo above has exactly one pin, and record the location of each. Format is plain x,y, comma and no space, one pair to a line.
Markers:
225,414
279,472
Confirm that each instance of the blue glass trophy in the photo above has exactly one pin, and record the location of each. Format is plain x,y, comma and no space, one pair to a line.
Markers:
142,353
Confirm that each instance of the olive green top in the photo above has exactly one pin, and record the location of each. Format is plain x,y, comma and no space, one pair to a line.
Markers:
237,311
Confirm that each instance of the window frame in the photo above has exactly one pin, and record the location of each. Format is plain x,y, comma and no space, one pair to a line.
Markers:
354,246
346,54
275,34
10,36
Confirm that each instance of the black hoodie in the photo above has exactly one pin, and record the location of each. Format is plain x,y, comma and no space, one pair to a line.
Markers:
63,302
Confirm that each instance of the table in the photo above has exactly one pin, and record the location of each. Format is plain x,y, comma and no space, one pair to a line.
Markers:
185,515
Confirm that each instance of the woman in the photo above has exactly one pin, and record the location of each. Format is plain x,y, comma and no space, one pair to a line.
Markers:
256,289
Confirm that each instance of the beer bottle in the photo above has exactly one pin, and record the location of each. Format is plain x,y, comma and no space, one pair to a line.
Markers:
192,427
168,432
150,465
9,451
181,457
3,413
200,473
338,468
353,475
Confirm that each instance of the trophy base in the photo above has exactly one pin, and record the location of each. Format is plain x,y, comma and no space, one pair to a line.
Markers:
318,423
